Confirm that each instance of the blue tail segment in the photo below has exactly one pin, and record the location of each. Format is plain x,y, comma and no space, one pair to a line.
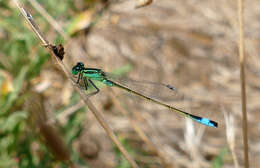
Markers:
204,121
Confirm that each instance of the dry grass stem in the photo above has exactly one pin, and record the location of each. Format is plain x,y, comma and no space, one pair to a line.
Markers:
59,63
242,79
49,18
30,21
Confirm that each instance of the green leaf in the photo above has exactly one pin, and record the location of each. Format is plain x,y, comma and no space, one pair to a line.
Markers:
6,142
13,121
2,66
11,97
218,162
1,80
7,161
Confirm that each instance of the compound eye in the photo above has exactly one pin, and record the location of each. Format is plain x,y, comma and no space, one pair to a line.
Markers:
75,70
81,64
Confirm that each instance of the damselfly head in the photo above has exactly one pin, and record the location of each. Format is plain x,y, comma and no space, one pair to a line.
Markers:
77,68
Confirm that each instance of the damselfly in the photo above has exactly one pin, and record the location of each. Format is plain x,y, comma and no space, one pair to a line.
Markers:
88,75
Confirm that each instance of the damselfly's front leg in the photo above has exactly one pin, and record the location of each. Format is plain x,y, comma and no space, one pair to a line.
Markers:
85,83
79,77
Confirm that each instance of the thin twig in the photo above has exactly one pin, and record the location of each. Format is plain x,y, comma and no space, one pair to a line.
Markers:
59,63
62,116
30,21
242,79
49,18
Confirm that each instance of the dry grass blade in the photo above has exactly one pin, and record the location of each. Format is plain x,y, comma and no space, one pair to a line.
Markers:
242,79
231,134
60,64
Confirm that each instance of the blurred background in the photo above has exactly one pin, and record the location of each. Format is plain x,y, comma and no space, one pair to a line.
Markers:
190,44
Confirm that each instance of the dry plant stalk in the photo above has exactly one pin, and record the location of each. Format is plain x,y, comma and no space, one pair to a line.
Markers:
54,141
50,134
242,78
58,62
